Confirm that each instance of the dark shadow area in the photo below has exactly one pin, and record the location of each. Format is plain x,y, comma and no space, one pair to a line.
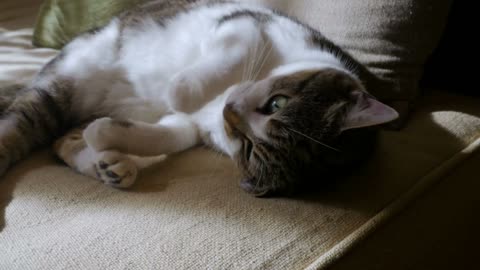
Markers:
401,159
439,231
9,181
7,186
449,66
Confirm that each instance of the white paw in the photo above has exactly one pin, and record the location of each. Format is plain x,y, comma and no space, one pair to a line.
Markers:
101,134
116,169
184,92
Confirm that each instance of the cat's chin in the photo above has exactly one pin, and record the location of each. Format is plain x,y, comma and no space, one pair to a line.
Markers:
249,185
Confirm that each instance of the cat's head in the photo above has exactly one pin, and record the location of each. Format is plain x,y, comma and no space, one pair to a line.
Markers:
290,127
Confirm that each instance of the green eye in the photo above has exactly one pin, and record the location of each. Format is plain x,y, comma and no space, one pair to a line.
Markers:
276,103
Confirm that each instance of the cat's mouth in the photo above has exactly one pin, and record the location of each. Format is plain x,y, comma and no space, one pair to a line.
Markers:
247,144
232,125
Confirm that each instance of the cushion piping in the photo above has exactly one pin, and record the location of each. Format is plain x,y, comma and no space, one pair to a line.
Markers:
327,259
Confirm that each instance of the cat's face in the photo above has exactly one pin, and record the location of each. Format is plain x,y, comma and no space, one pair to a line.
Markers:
288,125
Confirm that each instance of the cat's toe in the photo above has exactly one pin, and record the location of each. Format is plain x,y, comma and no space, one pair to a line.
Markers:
116,170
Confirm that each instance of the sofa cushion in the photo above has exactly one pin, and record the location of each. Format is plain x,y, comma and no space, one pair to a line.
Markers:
393,38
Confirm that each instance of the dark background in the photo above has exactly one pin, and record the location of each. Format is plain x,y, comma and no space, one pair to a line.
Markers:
454,65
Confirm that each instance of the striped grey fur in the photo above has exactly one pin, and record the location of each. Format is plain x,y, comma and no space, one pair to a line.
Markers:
38,115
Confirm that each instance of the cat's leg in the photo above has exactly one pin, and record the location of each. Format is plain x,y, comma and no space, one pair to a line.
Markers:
217,66
35,117
113,151
66,91
172,134
111,167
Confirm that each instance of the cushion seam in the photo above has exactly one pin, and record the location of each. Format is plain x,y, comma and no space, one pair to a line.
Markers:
417,191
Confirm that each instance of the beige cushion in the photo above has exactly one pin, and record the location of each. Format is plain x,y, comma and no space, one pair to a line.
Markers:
188,212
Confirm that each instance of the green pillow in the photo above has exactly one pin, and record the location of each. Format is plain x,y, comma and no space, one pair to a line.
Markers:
61,20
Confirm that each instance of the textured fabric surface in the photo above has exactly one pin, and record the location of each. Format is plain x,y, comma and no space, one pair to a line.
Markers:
393,38
418,190
16,19
439,232
188,212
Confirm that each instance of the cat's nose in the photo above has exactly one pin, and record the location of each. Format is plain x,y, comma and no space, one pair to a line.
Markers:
231,115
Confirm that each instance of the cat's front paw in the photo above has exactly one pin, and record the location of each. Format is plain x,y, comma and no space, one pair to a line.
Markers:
101,134
116,169
184,93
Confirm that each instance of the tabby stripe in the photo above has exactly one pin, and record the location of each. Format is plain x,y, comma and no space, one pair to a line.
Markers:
56,124
257,16
303,84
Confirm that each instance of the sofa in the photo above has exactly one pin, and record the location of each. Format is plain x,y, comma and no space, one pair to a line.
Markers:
414,205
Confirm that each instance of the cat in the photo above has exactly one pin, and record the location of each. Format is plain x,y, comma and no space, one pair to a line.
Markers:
284,102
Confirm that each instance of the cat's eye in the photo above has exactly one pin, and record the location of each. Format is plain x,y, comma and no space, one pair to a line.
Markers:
275,104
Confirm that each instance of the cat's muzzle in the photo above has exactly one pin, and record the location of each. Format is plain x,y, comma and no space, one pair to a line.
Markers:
251,185
233,121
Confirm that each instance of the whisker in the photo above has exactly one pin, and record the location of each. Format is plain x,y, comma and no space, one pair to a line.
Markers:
253,62
260,55
258,178
247,64
255,58
265,58
244,72
317,141
251,58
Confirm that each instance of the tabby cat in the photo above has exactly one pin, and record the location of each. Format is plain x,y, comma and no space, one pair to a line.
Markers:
285,103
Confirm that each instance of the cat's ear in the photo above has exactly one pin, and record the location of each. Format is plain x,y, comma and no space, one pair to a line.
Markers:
368,112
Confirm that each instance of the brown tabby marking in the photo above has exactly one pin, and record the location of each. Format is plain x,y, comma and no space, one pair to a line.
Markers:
304,138
34,118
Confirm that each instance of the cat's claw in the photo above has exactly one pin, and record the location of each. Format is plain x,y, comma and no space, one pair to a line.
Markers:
116,169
